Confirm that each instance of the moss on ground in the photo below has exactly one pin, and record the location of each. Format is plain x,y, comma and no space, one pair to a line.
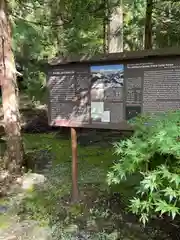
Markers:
61,149
4,221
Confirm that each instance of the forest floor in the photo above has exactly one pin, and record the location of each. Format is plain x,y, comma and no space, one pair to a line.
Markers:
45,210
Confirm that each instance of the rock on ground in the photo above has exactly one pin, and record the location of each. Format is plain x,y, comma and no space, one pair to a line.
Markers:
22,230
30,180
35,121
26,230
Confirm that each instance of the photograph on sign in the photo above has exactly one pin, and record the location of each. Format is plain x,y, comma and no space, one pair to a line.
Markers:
106,116
97,109
107,82
97,94
132,111
107,75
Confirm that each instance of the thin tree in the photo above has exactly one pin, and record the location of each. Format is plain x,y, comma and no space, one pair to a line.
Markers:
105,27
148,25
12,126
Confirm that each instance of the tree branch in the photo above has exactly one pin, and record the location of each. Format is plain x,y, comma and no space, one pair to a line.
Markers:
40,23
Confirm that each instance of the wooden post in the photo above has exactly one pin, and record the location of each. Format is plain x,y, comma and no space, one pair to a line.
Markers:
75,192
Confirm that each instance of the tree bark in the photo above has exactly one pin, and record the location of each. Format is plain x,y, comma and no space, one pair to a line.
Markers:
116,29
148,25
106,26
12,124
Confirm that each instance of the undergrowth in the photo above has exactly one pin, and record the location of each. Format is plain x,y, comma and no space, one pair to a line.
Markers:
153,152
99,215
94,216
51,204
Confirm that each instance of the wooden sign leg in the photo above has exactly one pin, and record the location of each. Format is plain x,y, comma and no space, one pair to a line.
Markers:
75,192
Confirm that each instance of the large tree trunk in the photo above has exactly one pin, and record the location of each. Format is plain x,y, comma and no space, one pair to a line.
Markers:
14,156
148,25
116,30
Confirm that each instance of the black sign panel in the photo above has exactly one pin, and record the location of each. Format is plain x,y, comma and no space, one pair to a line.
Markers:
107,95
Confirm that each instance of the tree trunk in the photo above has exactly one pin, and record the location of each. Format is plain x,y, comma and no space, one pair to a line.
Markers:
116,30
106,26
14,156
148,25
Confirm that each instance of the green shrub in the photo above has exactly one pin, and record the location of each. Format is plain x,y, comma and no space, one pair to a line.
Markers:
154,153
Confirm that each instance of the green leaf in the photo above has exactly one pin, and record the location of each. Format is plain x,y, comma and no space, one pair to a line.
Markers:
144,218
135,205
171,193
175,178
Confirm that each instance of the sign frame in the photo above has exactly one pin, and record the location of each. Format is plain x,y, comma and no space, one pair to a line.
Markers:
105,60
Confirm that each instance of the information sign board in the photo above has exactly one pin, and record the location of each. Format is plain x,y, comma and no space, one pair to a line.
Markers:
105,94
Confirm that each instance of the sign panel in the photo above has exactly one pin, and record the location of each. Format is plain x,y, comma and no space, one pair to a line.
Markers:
153,86
106,95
